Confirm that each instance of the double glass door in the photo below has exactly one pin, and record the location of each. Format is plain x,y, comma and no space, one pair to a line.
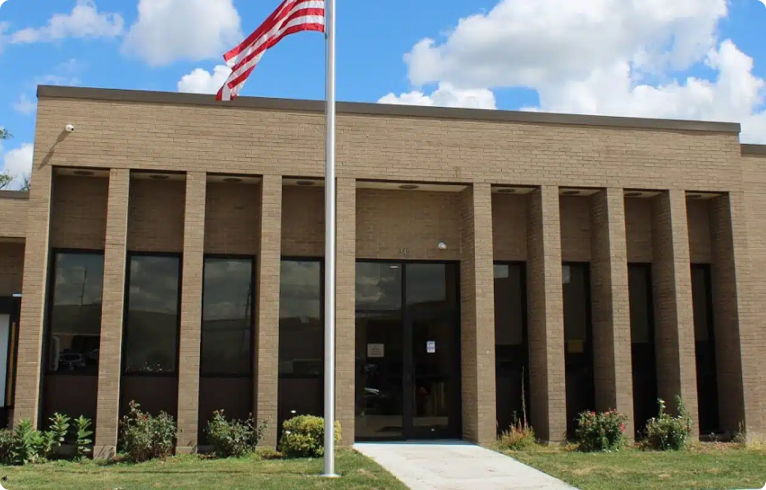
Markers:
407,352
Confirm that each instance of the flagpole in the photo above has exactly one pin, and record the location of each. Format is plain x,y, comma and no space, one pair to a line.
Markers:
329,339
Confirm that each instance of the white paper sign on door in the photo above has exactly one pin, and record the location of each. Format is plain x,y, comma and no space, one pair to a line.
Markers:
431,347
376,350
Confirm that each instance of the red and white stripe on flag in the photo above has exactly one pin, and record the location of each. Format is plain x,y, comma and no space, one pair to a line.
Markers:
290,17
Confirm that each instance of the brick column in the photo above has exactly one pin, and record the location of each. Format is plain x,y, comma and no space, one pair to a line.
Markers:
27,398
736,336
267,337
477,297
345,310
113,297
546,315
191,312
611,305
672,291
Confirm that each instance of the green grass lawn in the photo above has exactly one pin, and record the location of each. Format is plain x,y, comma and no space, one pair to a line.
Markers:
192,472
708,466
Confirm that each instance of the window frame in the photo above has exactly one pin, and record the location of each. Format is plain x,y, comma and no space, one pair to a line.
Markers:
48,306
126,310
253,310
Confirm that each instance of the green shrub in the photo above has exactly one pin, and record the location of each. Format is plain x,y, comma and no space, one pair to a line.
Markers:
145,437
303,437
82,438
233,437
26,444
603,431
268,453
7,446
666,432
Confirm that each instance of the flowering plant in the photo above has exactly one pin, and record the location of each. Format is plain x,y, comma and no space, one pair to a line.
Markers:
600,431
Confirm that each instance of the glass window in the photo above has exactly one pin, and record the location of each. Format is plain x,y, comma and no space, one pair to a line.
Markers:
75,316
151,331
301,326
378,286
640,305
431,285
509,306
227,306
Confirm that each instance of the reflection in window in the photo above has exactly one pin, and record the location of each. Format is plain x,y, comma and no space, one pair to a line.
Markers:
431,285
227,306
151,331
301,326
378,286
75,317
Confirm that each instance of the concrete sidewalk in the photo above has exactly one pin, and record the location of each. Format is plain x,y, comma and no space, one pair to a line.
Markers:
456,466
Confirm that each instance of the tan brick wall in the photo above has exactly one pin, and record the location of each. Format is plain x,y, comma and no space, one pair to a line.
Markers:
638,229
11,267
345,309
112,309
388,221
509,227
156,218
671,278
546,315
191,312
575,228
698,215
611,305
267,303
302,221
78,212
14,216
232,219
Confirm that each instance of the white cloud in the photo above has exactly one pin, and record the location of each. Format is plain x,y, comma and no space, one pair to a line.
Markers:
201,81
83,21
18,163
600,57
170,30
25,105
446,95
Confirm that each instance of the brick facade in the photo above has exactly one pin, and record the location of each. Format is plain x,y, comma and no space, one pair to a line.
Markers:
468,156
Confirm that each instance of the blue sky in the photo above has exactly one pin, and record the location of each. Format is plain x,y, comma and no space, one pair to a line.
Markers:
699,59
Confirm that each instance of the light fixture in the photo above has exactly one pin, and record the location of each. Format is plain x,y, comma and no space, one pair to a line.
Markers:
233,180
159,177
507,190
305,183
442,246
83,173
633,194
409,187
694,196
571,193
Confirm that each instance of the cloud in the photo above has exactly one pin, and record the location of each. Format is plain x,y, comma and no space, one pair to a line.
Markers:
446,95
625,58
83,22
170,30
25,105
18,163
201,81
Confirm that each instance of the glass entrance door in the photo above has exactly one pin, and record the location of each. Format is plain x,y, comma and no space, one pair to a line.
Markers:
407,351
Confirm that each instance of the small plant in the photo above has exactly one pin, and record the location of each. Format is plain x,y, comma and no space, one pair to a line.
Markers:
267,453
145,437
55,435
82,438
666,432
603,431
517,437
234,438
303,437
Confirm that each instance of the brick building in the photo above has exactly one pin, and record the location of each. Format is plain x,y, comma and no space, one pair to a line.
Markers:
171,249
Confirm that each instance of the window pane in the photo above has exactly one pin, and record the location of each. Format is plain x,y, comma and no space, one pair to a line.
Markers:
151,334
431,285
378,286
509,308
227,317
75,317
640,314
301,327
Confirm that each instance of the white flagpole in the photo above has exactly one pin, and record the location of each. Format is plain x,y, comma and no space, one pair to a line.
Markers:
329,302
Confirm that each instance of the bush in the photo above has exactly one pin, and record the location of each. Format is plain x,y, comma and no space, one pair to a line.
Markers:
518,437
268,453
303,437
145,437
666,432
600,431
25,444
233,438
82,438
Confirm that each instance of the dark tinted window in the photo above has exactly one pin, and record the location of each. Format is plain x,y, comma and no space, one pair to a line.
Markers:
378,286
509,306
227,307
75,315
151,331
431,285
301,326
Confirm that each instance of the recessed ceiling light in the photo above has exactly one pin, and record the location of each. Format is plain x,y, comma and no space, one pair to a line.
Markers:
305,183
83,172
409,187
232,179
633,194
506,190
571,193
159,177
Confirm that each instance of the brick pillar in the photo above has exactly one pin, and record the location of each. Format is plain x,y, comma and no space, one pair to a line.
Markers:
191,312
27,398
546,315
611,305
345,310
672,291
112,307
478,316
736,336
267,337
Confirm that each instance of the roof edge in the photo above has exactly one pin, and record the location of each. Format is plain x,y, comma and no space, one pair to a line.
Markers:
318,106
753,149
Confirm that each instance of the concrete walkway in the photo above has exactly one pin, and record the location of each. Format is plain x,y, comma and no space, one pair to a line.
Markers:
456,466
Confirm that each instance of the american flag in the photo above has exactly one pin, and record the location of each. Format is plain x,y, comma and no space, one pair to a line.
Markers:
290,17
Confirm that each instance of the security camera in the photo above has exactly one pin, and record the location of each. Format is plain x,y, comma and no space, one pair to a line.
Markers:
70,128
